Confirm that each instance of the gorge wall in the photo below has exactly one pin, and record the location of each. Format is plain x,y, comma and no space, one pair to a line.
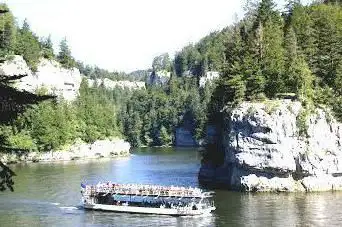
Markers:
64,83
111,84
55,79
264,151
50,75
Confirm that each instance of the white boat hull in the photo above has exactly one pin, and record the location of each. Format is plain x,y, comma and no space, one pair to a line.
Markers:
149,210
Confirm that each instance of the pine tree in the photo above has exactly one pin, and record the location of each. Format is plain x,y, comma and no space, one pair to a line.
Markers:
302,24
327,22
304,80
47,48
338,80
271,46
7,32
64,55
231,86
265,11
252,67
256,85
180,64
291,59
336,99
27,45
26,26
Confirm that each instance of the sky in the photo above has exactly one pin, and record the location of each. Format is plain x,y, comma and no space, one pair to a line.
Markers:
125,35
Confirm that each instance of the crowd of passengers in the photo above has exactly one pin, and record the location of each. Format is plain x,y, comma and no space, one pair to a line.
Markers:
152,189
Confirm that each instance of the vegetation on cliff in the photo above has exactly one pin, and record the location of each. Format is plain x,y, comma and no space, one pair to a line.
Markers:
297,51
267,53
53,124
150,117
21,40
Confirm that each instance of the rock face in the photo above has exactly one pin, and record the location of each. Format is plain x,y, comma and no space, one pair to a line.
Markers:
209,77
264,151
16,66
79,150
111,84
50,75
161,77
56,79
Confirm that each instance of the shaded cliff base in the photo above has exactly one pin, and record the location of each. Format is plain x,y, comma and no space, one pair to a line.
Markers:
239,179
80,150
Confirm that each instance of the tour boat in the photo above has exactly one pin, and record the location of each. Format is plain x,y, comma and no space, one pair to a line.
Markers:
147,199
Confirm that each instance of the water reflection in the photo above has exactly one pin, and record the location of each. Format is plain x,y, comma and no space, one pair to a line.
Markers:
103,218
323,209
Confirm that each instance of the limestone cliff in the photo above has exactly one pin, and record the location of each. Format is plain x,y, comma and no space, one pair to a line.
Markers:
161,77
50,75
56,79
209,77
79,150
264,150
111,84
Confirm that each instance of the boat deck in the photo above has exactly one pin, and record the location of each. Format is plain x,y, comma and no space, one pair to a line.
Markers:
146,190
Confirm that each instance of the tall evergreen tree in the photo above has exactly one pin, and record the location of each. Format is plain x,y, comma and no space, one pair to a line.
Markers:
302,24
27,45
7,31
328,34
231,86
47,48
338,80
64,55
180,64
269,25
304,80
252,60
291,58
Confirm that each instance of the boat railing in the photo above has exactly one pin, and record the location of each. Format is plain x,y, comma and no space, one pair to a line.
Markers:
142,190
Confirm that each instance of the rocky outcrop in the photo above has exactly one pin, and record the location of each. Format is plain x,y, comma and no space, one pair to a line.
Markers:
208,78
50,75
264,150
16,65
161,77
112,84
79,150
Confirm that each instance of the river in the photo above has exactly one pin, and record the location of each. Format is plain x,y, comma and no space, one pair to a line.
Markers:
48,194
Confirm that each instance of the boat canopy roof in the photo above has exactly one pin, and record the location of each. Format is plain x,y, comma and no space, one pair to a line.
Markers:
146,190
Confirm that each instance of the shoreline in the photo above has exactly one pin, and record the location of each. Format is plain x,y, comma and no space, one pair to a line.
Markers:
79,151
108,148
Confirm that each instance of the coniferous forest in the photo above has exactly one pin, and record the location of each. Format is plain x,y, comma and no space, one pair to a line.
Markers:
268,54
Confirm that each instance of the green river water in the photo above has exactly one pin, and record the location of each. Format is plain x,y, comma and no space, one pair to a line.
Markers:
48,194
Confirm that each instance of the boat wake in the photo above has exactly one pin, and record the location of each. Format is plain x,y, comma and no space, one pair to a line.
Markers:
69,208
205,215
